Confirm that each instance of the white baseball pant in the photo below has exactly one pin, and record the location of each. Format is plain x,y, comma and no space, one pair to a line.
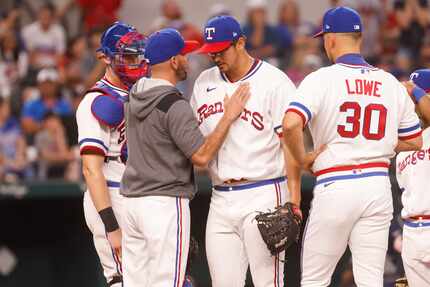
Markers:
156,238
233,240
416,253
355,212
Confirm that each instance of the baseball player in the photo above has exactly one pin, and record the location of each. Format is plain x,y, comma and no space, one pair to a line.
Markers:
413,170
248,173
101,128
164,142
363,115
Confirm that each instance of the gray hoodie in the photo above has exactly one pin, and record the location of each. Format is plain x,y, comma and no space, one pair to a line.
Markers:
162,135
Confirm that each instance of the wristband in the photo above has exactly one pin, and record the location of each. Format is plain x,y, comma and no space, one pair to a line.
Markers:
418,93
108,218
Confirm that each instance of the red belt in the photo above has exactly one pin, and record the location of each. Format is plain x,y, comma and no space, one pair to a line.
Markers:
352,167
419,217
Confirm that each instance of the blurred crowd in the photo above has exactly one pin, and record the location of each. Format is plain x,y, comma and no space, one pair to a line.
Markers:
47,61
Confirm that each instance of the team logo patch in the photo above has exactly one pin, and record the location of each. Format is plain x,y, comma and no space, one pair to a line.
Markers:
209,31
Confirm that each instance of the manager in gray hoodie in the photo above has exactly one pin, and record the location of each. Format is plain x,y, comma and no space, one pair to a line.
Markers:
164,141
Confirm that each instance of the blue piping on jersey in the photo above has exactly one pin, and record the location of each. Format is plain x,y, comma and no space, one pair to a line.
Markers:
249,185
416,224
255,66
351,176
405,130
91,140
253,72
304,108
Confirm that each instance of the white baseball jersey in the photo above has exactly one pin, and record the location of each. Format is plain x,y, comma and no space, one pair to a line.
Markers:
359,111
413,176
252,147
99,138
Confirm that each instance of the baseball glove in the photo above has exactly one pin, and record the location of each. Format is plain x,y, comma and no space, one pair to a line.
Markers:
401,282
280,228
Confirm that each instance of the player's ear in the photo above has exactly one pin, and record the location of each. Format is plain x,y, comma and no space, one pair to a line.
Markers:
241,42
174,62
102,57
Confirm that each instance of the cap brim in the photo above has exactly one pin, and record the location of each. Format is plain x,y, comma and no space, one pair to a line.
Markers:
214,47
190,46
319,34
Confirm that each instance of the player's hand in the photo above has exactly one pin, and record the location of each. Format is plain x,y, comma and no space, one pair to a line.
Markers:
115,239
397,243
234,105
409,85
296,210
311,156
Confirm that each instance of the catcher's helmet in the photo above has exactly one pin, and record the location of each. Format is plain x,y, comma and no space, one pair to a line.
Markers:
125,47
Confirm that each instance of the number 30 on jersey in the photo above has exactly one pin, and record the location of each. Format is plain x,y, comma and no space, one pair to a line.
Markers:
371,125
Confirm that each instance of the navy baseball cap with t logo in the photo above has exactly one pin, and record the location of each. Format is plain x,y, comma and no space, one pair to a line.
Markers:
341,20
220,32
166,43
421,78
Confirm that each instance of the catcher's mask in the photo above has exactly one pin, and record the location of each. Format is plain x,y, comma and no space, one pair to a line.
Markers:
125,47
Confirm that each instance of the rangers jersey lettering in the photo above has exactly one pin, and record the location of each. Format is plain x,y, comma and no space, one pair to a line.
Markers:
413,171
101,133
252,149
359,111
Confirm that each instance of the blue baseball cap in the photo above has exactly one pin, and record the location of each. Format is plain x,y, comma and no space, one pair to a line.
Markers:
166,43
421,78
220,32
340,20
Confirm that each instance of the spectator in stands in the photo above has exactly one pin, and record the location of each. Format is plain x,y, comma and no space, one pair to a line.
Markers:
50,100
97,14
13,162
424,58
294,34
172,17
9,21
53,149
262,39
288,12
44,39
412,19
13,62
402,65
77,65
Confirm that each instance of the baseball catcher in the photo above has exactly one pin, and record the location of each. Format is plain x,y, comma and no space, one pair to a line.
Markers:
280,228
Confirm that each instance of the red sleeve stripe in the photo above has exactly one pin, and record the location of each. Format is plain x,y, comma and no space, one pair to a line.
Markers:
299,113
92,150
404,138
